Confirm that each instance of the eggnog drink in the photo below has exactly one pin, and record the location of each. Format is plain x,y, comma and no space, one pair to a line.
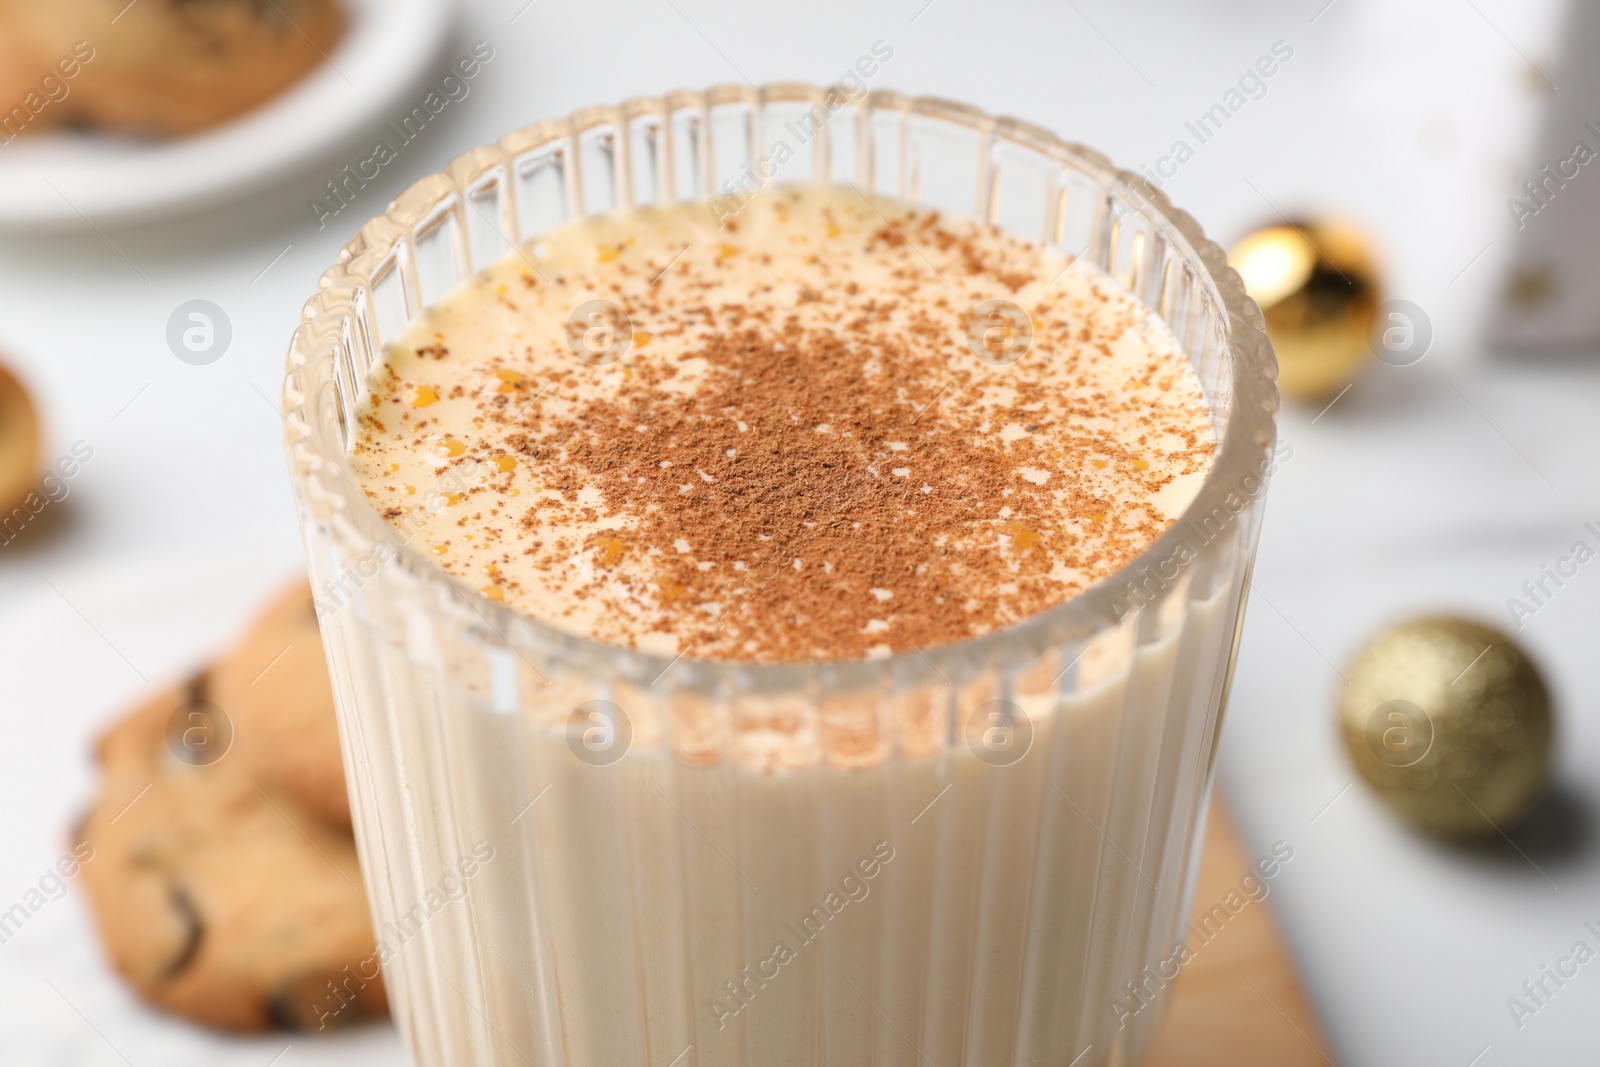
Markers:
829,429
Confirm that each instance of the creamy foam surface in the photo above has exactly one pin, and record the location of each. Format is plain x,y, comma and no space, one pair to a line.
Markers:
785,447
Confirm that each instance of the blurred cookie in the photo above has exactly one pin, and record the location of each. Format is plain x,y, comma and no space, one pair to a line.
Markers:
170,67
218,900
17,79
274,687
19,447
16,59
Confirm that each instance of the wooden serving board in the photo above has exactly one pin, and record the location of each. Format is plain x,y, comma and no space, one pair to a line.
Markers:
1239,1000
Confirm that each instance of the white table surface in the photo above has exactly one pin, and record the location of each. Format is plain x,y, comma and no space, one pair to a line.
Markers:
1440,486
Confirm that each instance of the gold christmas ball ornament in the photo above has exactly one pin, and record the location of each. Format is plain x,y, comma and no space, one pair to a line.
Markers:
19,443
1449,723
1317,284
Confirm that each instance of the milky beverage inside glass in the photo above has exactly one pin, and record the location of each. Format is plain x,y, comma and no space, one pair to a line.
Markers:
829,429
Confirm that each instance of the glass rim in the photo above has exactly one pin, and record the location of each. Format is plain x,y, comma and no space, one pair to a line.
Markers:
1247,439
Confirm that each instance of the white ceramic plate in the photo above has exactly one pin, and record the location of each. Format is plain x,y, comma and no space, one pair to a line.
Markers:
66,178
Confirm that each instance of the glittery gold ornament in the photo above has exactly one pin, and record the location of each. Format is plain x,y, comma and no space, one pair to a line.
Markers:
19,442
1449,722
1317,284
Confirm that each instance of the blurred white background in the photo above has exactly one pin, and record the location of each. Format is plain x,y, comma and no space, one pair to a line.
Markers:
1441,486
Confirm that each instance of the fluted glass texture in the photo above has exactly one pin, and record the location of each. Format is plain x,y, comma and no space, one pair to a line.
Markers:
980,854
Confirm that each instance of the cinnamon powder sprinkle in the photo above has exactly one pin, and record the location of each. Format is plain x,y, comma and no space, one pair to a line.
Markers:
797,454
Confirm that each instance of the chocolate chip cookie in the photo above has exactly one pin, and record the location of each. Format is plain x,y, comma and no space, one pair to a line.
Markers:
273,686
171,67
218,897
